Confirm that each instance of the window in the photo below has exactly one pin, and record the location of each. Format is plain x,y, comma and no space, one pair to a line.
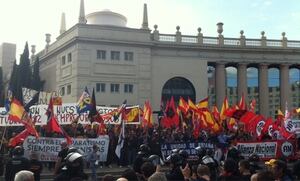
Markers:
63,60
69,89
128,88
114,88
128,56
101,54
115,55
100,87
69,57
62,91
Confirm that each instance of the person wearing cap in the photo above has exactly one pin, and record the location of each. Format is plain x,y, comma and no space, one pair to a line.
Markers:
280,170
61,157
270,164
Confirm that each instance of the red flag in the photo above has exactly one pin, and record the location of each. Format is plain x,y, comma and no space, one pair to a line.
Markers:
172,117
257,125
52,124
18,138
247,117
268,125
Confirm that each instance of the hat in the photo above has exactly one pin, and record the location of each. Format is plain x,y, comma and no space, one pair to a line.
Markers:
270,162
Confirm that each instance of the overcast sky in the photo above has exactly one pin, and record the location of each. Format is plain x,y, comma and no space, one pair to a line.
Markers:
29,20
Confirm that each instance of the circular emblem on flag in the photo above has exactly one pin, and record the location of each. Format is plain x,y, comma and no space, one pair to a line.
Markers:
270,130
289,126
259,127
287,149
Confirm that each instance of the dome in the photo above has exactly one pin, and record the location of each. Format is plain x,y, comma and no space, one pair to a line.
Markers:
106,17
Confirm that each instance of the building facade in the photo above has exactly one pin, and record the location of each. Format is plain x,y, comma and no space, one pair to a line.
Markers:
141,64
7,58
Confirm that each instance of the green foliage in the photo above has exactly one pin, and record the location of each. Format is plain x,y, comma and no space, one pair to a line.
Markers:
24,68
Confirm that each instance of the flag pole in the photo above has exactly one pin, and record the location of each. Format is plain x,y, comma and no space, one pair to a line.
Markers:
2,139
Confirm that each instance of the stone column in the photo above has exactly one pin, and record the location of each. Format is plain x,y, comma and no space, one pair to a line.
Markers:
220,83
284,86
263,89
242,81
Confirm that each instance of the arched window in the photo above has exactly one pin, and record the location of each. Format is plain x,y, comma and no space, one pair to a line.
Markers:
177,87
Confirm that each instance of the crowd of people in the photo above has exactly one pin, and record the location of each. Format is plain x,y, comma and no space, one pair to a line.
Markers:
144,162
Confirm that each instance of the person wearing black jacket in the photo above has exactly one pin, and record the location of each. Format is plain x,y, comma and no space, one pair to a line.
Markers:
36,166
16,164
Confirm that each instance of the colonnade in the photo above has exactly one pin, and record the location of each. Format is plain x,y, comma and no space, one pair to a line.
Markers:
220,84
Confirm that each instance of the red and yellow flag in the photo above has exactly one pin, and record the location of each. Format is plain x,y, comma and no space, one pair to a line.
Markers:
132,114
192,106
203,103
183,105
147,116
17,111
225,106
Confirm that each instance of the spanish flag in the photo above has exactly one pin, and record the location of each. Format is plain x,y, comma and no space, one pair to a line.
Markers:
224,108
192,106
17,111
183,105
147,116
203,103
132,114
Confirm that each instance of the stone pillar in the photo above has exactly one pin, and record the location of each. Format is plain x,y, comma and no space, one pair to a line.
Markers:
263,89
284,86
242,81
220,83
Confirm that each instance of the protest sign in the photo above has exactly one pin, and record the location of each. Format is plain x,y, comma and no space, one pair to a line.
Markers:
47,148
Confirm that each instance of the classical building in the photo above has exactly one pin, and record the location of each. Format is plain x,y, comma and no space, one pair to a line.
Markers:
120,62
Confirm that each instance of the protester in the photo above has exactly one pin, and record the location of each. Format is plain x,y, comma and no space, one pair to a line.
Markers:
93,159
203,173
35,166
130,174
147,169
108,177
24,175
61,157
280,171
265,176
230,171
244,168
158,176
16,164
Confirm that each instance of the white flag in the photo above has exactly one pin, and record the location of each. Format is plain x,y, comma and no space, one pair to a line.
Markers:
121,140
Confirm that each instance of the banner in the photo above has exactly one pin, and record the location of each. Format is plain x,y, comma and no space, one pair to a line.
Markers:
66,114
47,148
268,149
189,147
